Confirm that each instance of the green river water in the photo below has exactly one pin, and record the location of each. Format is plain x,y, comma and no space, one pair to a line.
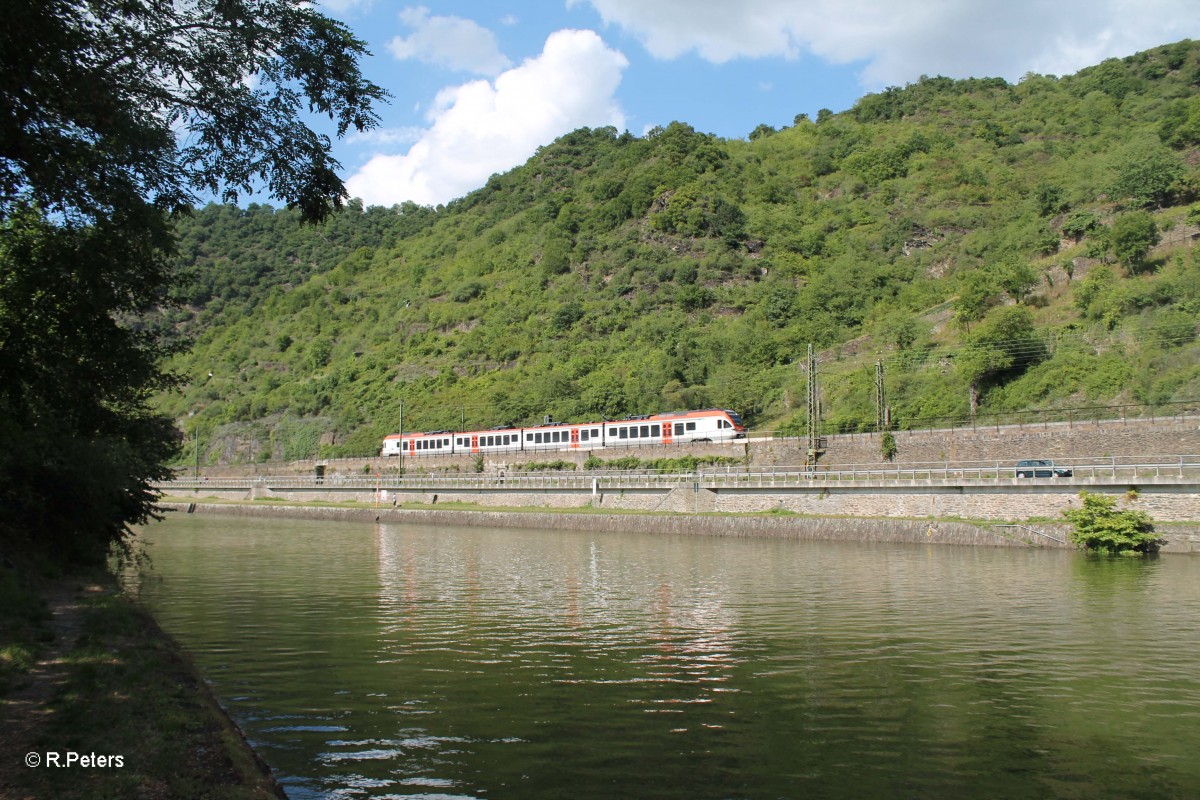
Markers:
394,661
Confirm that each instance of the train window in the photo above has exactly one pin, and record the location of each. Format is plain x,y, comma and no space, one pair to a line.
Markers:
623,433
691,426
633,431
584,435
507,440
595,433
645,431
655,431
679,429
612,431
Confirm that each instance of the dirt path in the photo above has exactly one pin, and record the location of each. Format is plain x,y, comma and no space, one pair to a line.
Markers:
25,710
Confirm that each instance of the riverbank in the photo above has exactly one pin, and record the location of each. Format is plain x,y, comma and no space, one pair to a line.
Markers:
1181,538
88,679
786,526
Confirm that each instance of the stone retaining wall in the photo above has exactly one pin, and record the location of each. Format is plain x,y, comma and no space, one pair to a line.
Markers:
1164,500
1140,438
818,518
861,530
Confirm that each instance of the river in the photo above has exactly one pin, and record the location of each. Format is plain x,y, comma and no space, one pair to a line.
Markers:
395,661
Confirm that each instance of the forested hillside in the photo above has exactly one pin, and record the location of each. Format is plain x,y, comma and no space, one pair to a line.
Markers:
996,247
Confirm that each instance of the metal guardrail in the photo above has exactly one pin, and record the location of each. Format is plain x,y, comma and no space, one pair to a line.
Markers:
1129,470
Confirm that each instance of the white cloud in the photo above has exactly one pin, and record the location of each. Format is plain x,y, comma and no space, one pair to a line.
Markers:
481,128
900,40
451,42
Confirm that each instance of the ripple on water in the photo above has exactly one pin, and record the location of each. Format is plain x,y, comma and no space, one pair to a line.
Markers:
421,662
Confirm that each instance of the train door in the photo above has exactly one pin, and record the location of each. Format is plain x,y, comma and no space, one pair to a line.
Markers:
474,443
667,433
574,438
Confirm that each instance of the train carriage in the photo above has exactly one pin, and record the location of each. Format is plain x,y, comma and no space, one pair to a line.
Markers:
429,443
678,427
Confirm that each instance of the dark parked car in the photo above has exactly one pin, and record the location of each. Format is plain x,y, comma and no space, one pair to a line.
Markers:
1041,468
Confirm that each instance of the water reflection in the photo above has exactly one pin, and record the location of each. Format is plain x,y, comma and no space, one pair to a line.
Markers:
399,661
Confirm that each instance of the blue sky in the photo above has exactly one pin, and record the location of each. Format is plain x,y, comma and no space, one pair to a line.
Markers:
479,85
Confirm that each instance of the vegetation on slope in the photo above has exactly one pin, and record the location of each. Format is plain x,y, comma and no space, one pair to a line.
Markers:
996,247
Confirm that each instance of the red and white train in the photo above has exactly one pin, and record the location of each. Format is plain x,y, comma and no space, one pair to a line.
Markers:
712,425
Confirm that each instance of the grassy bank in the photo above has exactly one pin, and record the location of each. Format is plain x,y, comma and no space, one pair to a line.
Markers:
85,670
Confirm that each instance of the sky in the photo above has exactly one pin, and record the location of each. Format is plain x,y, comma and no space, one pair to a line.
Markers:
479,85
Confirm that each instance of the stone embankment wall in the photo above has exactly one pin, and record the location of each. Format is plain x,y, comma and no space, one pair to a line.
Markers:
858,530
1180,539
1005,502
1132,438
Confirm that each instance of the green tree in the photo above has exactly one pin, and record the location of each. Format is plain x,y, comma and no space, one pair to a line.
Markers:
1147,176
94,97
1079,223
976,293
1099,526
1049,199
1018,278
1006,341
1133,234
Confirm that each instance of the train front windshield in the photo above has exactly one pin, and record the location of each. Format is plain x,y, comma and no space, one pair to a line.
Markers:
736,419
